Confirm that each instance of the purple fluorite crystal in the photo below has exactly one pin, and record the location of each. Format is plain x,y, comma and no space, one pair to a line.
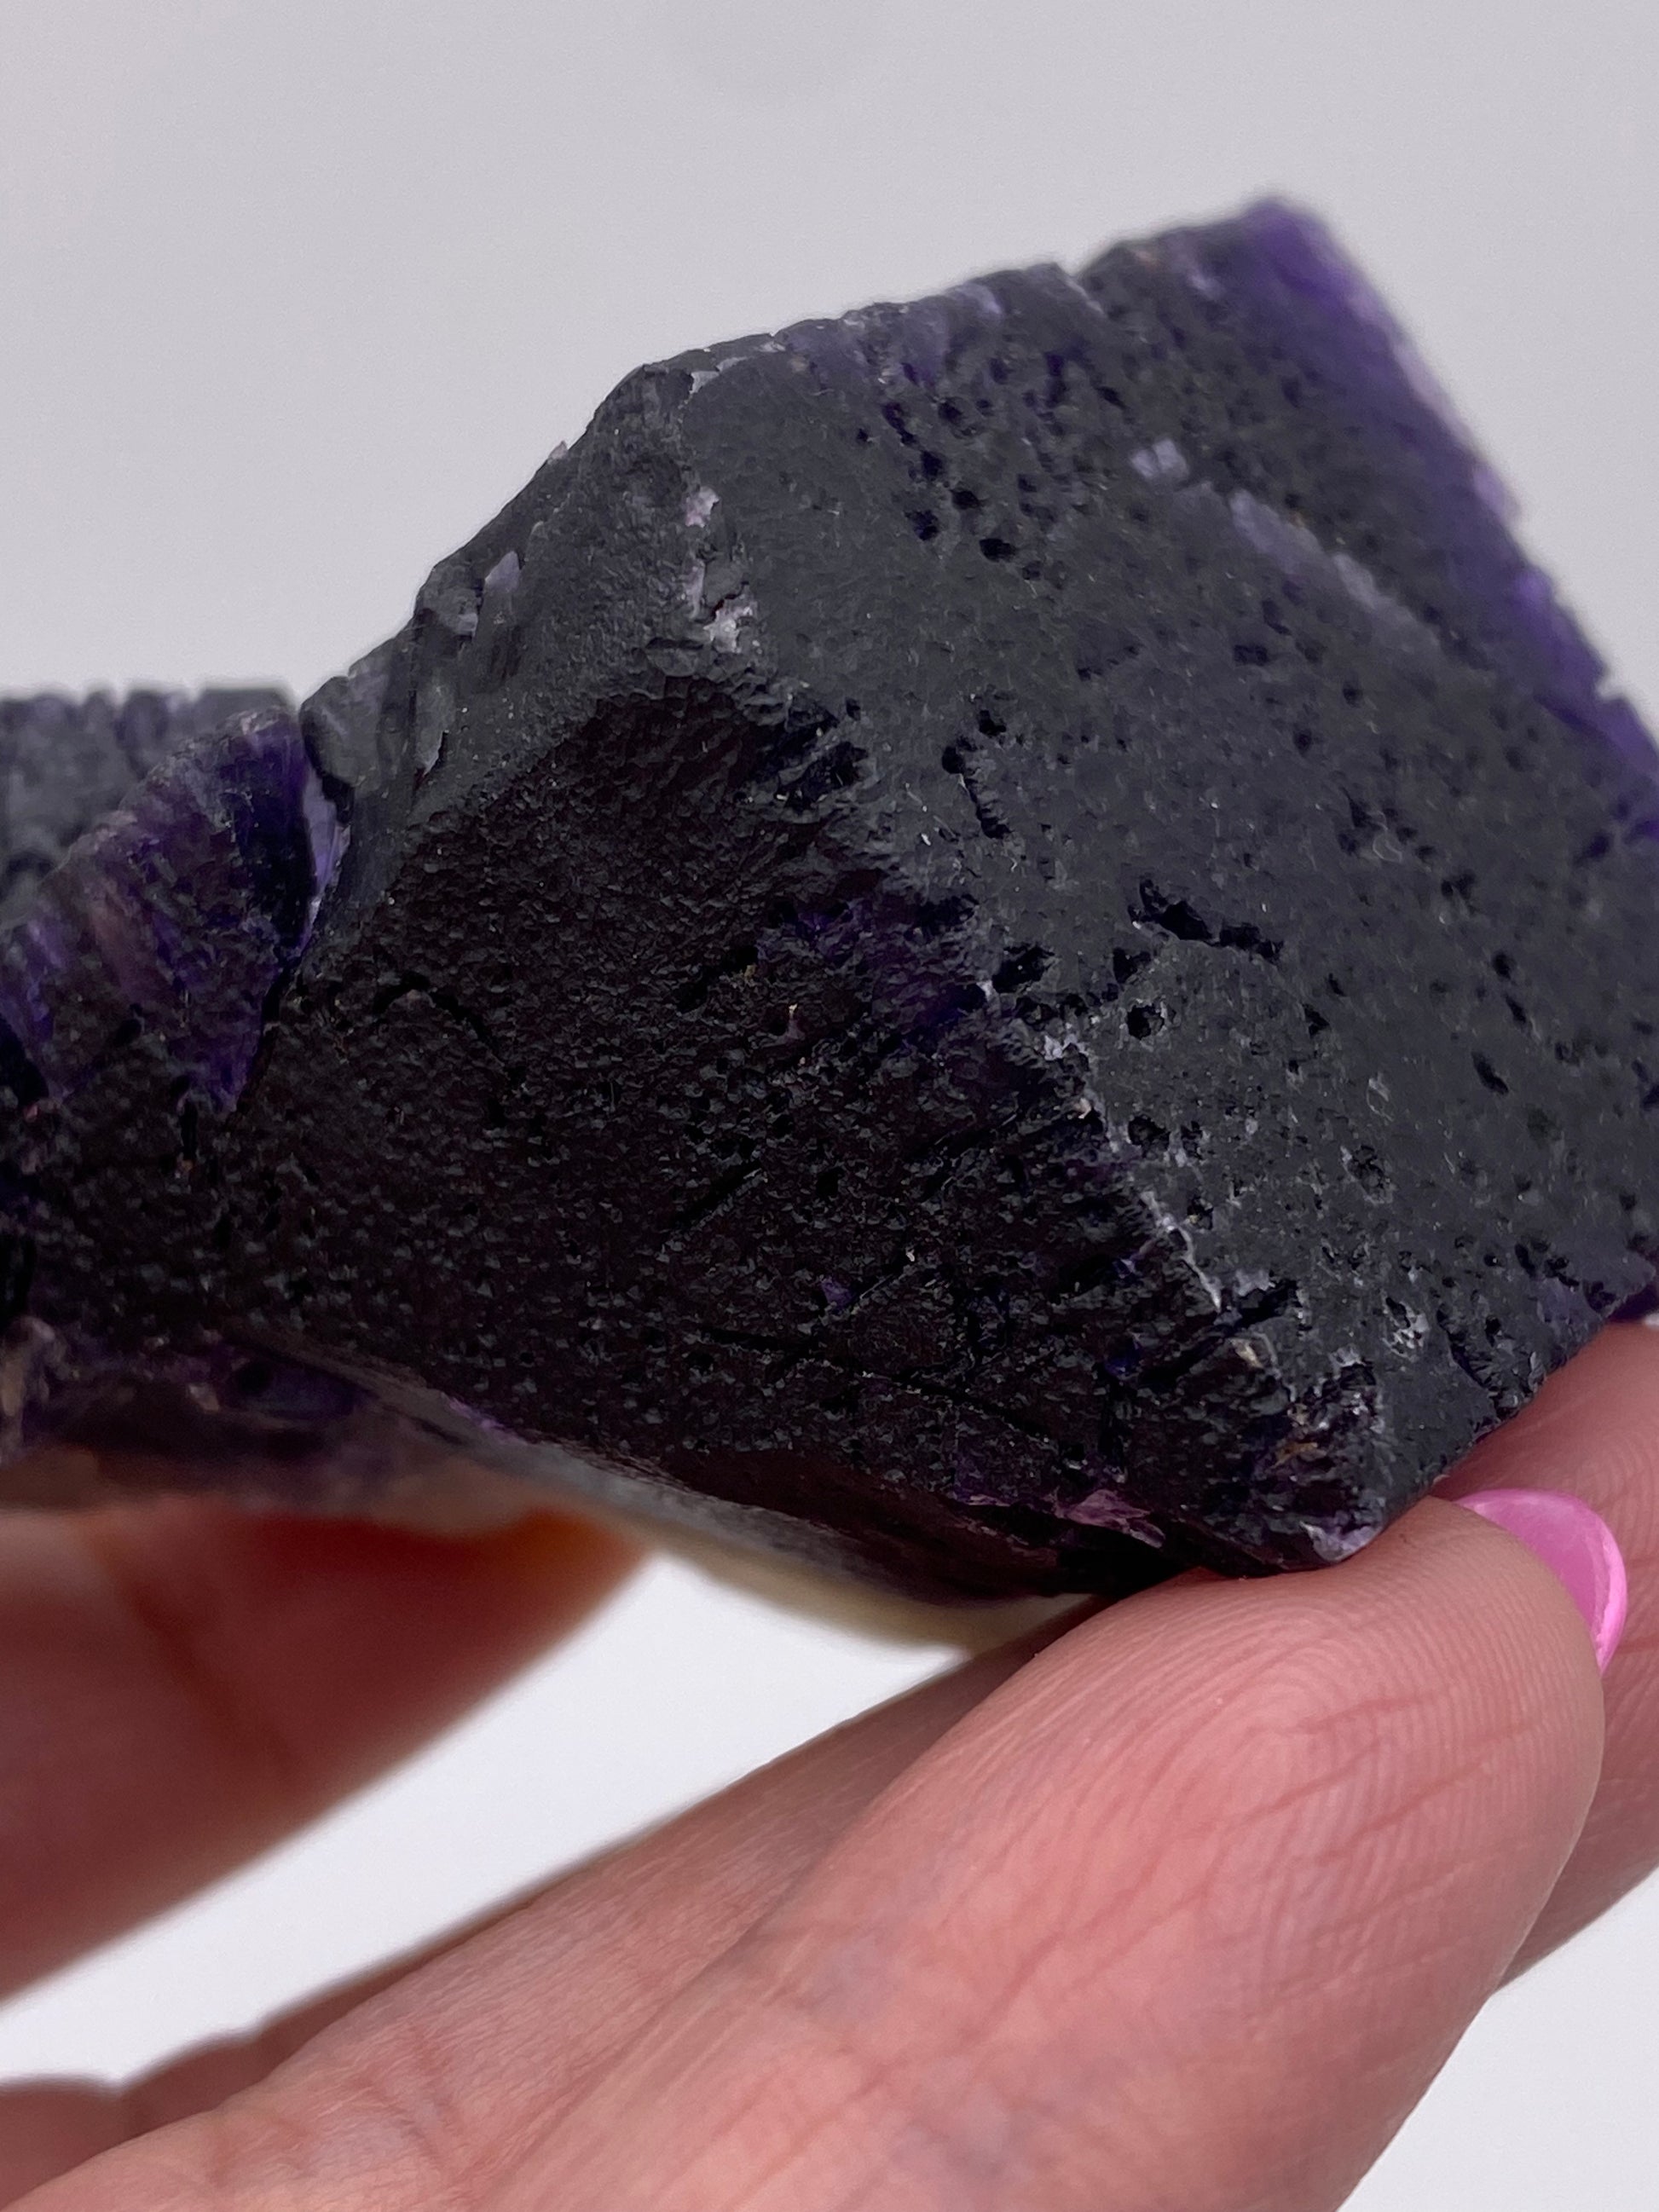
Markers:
177,915
1004,943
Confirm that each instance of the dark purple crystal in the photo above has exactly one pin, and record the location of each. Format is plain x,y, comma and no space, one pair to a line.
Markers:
178,915
1003,945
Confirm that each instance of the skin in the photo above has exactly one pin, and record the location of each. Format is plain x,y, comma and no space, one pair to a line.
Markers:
1176,1910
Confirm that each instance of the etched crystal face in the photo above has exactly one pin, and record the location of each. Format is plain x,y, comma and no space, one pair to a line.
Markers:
1001,945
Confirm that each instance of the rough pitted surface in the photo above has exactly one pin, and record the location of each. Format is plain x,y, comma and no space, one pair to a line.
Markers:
1004,943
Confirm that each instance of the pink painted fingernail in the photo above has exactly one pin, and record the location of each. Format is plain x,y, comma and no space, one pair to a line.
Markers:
1577,1546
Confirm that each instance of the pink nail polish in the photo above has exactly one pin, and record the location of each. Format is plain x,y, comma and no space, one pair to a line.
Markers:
1577,1546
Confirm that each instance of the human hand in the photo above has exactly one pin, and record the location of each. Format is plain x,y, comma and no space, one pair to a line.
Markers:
1179,1912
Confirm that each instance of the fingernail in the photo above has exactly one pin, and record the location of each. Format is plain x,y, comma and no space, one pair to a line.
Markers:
1577,1546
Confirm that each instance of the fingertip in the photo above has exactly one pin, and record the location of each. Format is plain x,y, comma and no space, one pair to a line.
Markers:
1495,1618
551,1543
350,1640
542,1553
541,1557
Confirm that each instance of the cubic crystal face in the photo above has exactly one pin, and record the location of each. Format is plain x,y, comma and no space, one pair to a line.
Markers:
1002,944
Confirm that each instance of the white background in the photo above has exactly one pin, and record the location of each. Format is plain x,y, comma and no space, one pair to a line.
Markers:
292,295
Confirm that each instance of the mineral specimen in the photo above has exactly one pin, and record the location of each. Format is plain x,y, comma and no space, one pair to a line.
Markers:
1003,945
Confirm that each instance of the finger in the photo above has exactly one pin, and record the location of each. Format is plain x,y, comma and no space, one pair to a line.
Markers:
614,1939
1594,1430
1187,1914
1187,1911
181,1683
